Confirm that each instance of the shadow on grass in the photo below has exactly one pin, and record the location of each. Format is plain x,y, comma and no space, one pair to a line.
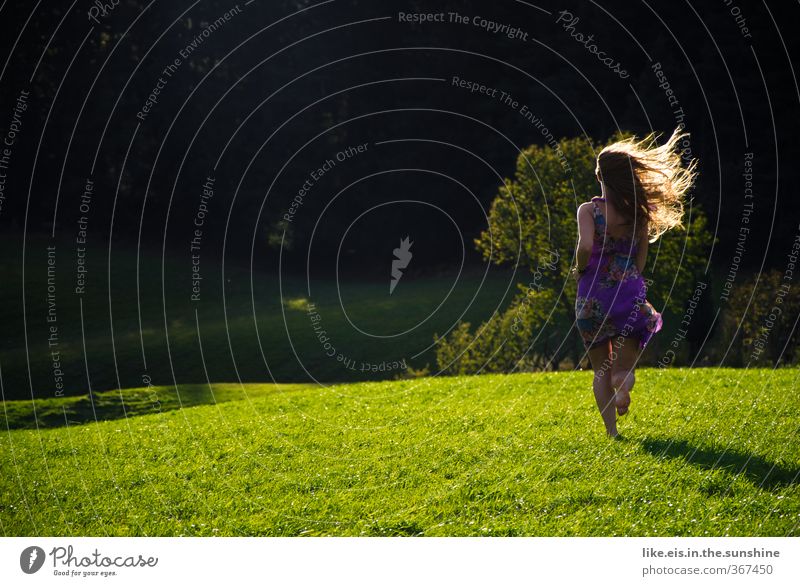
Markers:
755,469
110,405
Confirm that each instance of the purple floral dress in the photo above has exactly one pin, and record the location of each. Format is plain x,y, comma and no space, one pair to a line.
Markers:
611,298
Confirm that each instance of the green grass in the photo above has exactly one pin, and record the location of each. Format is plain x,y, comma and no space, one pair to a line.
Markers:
707,452
200,341
106,405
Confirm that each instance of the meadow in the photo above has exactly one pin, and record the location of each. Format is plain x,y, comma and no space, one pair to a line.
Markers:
705,452
136,321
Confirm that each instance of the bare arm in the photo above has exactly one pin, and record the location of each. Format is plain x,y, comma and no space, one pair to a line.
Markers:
585,235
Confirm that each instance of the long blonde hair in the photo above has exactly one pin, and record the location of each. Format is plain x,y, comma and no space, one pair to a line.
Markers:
646,183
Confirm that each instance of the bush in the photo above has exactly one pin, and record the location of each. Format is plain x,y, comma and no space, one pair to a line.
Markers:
763,311
532,223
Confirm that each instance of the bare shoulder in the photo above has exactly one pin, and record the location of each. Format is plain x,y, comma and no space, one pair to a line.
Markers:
585,208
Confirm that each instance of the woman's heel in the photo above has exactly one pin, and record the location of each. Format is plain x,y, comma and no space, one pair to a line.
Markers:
622,403
623,383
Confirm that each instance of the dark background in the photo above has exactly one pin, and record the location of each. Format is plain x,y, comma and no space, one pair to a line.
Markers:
238,98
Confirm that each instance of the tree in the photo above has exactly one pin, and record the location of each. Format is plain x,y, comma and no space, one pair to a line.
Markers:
765,308
532,224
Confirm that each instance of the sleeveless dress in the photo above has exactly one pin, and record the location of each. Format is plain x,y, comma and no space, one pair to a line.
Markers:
611,299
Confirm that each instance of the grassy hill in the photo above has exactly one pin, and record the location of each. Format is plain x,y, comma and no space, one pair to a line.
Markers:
707,452
249,325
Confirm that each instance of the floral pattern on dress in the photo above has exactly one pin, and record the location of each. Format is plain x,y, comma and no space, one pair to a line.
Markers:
591,320
619,268
611,300
605,241
654,321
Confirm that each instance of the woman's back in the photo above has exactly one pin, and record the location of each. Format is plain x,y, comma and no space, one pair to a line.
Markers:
611,296
616,225
613,233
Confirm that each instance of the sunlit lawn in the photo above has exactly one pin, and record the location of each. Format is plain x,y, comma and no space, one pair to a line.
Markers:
707,452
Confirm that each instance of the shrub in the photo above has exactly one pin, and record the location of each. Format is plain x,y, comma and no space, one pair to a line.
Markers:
763,312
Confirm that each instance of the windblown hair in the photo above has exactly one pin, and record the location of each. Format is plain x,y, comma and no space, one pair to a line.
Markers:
646,183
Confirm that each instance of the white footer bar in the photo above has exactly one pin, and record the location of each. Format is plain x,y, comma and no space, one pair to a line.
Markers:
404,560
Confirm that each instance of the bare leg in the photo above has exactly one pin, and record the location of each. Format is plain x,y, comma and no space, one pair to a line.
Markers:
602,386
622,371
